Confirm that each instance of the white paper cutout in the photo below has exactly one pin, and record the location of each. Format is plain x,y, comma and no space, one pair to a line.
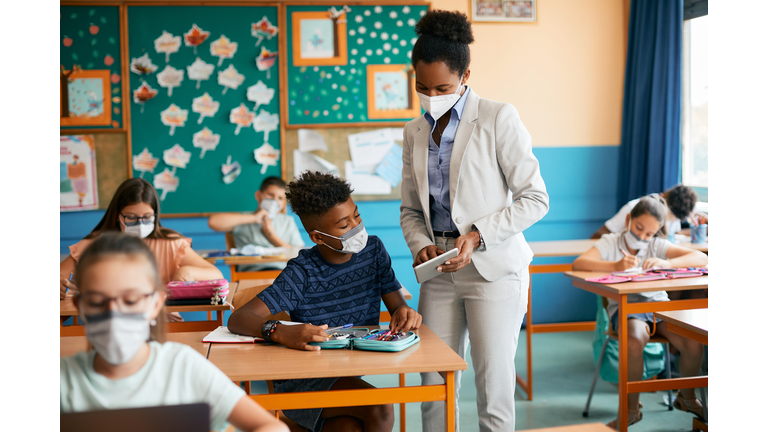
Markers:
205,140
241,117
199,71
170,77
223,48
176,156
263,29
266,60
173,116
267,156
168,44
205,106
335,14
143,65
260,94
144,162
195,36
311,140
144,93
230,170
266,122
166,181
230,78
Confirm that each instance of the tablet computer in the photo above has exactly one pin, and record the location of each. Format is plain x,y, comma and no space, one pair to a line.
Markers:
427,270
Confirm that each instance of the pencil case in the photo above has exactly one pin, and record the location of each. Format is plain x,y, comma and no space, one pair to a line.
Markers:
355,339
213,290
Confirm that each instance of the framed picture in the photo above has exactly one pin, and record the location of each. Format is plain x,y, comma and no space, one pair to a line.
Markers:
503,11
77,173
319,38
85,97
392,92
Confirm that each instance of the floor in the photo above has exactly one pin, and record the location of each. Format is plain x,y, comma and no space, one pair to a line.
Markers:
560,390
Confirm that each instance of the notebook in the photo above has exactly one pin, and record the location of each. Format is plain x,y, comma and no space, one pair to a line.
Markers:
223,335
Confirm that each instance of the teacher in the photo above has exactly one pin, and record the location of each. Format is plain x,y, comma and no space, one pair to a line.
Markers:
470,181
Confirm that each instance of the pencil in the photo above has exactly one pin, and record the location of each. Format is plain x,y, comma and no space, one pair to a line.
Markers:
624,252
70,280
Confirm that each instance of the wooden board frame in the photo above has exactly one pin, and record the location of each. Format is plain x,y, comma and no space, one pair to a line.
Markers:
414,109
474,20
340,39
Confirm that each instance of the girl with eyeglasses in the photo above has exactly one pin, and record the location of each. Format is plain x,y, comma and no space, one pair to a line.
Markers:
135,210
121,302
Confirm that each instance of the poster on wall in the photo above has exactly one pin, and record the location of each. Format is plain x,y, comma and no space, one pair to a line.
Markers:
77,173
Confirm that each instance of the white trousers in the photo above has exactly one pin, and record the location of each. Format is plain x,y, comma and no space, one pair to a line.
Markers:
466,308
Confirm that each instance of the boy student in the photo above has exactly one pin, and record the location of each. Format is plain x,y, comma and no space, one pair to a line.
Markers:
682,204
341,280
266,227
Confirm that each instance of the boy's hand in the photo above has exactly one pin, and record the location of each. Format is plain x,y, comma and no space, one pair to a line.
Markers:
299,336
267,227
627,262
405,319
427,254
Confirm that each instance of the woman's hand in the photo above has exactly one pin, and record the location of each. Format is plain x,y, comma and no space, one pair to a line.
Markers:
184,273
404,319
427,254
299,336
63,285
627,262
466,244
656,262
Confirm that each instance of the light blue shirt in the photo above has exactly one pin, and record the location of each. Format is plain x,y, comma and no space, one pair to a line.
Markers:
439,168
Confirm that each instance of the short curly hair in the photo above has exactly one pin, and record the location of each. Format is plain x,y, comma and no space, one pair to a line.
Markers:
313,194
681,201
443,36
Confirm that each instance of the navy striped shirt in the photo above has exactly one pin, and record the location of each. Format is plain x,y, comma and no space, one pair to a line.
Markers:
315,291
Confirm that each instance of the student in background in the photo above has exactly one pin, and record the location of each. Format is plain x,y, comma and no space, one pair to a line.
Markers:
349,273
121,299
135,210
644,243
682,203
266,227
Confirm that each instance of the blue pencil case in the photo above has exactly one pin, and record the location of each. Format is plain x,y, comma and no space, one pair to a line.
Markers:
355,339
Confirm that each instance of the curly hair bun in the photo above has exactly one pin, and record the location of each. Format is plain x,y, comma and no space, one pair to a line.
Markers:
449,25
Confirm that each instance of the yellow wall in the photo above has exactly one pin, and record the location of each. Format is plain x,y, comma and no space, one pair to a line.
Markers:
564,74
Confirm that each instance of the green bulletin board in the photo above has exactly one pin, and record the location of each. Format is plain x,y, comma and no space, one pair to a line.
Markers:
338,94
89,36
200,184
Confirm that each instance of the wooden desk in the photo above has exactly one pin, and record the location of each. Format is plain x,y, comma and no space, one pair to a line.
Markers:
246,362
619,292
693,323
67,309
289,254
587,427
70,345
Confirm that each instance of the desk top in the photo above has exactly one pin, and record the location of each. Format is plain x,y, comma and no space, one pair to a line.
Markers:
702,247
73,344
242,362
560,247
695,320
681,284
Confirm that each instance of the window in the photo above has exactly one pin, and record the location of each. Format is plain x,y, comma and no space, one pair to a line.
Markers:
695,103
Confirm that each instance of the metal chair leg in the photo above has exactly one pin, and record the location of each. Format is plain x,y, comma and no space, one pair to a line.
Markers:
594,379
669,375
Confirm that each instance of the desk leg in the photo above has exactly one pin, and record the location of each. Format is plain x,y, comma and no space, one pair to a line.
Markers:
527,386
623,388
450,401
402,406
219,318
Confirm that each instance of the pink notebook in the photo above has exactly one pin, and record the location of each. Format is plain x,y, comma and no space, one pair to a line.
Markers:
609,279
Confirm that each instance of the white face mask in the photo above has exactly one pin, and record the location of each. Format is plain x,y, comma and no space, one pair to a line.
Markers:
117,336
271,206
436,106
634,242
140,230
352,241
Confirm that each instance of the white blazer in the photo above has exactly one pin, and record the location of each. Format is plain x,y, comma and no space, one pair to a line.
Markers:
495,184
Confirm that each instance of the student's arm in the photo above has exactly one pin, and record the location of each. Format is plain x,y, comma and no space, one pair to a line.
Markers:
65,268
193,267
678,256
268,229
404,318
591,260
225,222
599,233
250,416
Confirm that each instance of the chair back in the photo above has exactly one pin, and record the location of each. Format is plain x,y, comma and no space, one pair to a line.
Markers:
243,296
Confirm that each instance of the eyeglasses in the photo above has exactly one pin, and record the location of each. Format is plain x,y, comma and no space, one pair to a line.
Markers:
132,220
96,303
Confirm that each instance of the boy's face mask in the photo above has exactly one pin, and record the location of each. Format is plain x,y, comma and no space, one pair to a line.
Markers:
352,241
271,206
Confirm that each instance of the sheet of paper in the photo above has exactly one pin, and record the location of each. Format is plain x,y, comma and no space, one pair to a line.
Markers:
310,140
223,335
364,181
391,168
307,161
367,149
397,133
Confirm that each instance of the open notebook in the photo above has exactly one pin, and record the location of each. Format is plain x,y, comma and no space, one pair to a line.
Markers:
223,335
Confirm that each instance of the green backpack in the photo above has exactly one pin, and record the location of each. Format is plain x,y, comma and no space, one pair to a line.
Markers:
653,355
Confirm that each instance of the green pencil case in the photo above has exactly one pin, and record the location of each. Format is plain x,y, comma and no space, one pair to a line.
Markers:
353,339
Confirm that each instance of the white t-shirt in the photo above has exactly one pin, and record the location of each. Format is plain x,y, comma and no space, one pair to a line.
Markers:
174,374
618,221
609,245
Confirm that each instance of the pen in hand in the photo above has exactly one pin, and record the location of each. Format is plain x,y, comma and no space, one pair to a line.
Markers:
68,281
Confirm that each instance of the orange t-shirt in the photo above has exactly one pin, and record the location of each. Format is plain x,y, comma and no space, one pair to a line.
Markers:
168,253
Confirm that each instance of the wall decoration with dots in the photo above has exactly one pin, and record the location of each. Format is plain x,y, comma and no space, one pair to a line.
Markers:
375,35
89,37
